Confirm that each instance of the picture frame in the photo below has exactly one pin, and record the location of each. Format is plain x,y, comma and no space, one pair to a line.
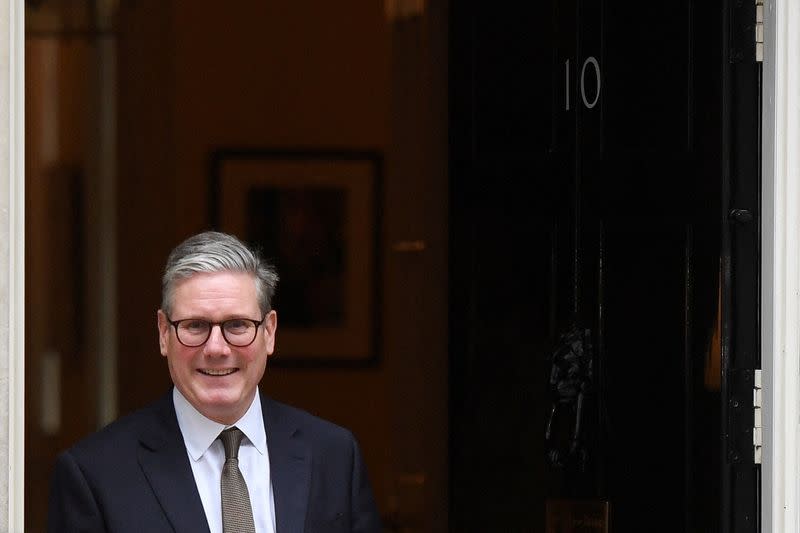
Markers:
316,215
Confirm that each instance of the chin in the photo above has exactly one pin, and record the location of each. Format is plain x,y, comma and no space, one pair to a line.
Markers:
221,401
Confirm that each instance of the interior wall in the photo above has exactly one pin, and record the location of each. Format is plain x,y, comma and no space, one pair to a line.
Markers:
59,405
417,278
195,78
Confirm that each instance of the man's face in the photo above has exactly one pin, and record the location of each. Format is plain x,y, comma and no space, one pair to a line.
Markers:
218,379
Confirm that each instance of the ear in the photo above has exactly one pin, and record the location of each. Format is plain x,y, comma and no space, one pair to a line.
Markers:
163,331
270,331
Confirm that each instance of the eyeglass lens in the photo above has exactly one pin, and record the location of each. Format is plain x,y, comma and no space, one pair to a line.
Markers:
237,332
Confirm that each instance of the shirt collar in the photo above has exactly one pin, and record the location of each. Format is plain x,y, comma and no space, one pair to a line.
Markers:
199,432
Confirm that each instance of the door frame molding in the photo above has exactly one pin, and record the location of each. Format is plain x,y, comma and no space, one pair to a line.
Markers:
12,265
780,268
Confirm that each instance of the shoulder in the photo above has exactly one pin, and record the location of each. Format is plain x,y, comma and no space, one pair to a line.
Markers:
123,434
292,418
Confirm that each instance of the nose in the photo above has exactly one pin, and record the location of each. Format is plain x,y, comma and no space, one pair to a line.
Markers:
216,343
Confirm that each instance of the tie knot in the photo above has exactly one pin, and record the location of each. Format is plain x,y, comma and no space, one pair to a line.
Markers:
231,439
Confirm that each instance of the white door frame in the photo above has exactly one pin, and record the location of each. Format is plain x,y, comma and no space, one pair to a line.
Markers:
12,265
780,288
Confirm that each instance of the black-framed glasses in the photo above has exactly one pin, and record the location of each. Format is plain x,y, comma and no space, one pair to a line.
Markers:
194,332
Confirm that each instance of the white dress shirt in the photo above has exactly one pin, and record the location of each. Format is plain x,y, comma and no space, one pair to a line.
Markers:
207,455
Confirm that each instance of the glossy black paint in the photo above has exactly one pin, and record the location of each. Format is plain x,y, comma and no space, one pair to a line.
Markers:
620,217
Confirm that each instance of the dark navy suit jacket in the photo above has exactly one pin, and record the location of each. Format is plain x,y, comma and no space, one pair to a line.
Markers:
135,476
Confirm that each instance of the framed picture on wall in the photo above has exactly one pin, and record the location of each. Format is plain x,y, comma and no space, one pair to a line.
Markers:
316,216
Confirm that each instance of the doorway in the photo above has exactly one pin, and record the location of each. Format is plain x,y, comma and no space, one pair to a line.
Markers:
305,77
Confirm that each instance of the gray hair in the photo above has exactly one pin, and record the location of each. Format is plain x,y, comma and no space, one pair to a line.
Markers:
213,251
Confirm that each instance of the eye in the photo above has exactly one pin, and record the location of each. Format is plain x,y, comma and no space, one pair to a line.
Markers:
237,325
194,326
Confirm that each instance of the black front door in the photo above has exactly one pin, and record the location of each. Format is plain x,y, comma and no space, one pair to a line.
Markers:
604,178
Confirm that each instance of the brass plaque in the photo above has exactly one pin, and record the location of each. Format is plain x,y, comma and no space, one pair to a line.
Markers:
577,516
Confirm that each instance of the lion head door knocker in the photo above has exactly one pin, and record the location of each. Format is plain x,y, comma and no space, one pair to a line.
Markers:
570,384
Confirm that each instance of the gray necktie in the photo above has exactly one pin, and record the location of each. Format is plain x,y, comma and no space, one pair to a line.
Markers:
237,515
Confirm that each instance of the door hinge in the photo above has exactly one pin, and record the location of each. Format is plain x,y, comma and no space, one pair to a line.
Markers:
740,434
759,31
757,423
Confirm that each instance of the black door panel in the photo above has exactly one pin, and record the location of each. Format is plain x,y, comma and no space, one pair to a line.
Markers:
598,150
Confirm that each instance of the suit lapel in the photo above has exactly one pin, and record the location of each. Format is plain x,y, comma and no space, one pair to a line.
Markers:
290,467
163,458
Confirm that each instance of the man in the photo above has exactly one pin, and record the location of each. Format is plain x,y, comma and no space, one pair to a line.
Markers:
166,467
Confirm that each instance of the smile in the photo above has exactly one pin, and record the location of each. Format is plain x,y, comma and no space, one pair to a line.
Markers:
218,371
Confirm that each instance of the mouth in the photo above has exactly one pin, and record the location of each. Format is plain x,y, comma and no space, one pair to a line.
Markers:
216,372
